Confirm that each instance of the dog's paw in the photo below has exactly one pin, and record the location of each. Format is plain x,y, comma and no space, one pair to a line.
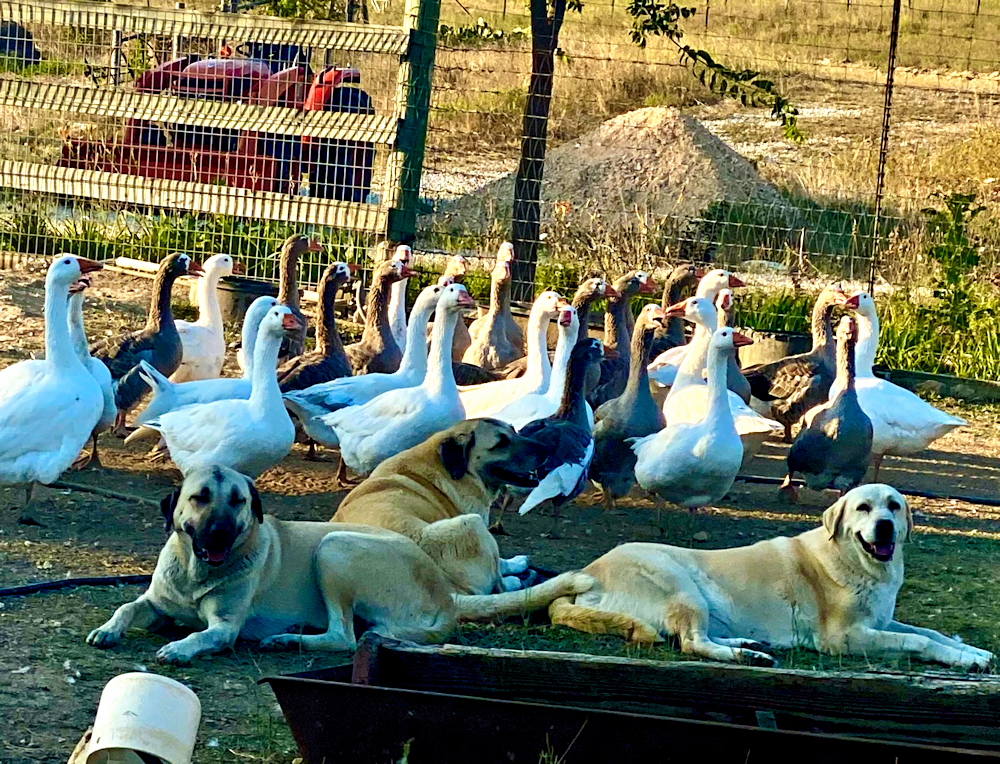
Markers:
103,638
756,658
974,659
511,584
279,642
514,566
174,652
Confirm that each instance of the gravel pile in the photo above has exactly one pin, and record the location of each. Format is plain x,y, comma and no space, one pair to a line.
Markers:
656,162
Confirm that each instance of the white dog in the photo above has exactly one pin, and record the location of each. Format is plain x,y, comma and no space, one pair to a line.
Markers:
832,589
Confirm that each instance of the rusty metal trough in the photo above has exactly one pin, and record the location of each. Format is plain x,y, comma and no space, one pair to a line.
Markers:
462,704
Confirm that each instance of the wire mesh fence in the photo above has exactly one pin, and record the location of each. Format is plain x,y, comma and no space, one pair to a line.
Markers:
645,165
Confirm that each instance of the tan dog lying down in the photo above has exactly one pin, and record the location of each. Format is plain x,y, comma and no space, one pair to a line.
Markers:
232,571
456,473
832,589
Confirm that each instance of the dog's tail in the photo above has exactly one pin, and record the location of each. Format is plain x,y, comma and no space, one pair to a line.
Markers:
565,612
484,607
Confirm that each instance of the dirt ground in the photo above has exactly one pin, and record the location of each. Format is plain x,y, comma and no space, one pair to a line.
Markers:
50,680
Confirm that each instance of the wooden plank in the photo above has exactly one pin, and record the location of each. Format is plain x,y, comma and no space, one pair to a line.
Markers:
931,708
80,14
190,196
160,107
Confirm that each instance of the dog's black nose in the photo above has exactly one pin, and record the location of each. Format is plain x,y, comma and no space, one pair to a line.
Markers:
885,530
218,534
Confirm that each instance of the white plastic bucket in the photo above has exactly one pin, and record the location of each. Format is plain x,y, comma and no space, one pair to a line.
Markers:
148,713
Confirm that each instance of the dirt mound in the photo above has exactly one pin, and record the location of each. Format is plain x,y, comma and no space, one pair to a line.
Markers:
656,162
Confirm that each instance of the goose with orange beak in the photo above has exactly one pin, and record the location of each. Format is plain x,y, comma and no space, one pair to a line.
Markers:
248,436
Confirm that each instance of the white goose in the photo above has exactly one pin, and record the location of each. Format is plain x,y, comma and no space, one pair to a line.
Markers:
169,396
689,397
100,372
902,422
534,406
46,418
397,300
694,463
247,435
203,341
311,404
665,366
401,419
486,400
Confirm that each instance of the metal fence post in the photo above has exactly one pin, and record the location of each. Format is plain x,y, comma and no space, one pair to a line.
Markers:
884,145
413,97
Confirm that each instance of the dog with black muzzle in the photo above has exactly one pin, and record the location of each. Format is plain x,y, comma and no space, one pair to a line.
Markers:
831,589
228,570
425,491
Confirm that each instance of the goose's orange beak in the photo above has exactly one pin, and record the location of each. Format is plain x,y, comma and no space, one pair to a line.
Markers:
352,268
647,287
195,269
741,340
290,322
89,266
677,310
315,246
735,281
610,291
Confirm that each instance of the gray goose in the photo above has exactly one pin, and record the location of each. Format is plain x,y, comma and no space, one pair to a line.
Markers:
157,343
377,351
681,278
294,247
633,414
789,387
328,361
618,336
834,447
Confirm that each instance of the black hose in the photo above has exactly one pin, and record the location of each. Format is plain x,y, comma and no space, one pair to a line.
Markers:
984,500
64,583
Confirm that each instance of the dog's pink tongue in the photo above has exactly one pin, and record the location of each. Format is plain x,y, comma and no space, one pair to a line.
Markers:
216,556
884,550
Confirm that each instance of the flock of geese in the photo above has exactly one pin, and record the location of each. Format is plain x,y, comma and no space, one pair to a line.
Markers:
644,406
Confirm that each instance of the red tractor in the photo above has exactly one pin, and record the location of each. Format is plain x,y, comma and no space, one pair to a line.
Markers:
268,75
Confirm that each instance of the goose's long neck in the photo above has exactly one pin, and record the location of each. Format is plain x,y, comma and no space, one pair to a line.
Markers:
539,366
160,314
867,344
696,358
377,314
415,355
671,296
572,406
77,334
327,338
560,364
718,391
440,376
59,350
496,296
638,376
264,389
583,314
288,283
249,342
209,313
846,368
616,331
822,330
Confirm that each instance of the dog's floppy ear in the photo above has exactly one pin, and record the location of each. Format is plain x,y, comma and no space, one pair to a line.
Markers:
909,518
167,506
455,452
834,516
255,504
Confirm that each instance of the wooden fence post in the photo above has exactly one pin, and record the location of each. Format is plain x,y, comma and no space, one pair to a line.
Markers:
413,97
